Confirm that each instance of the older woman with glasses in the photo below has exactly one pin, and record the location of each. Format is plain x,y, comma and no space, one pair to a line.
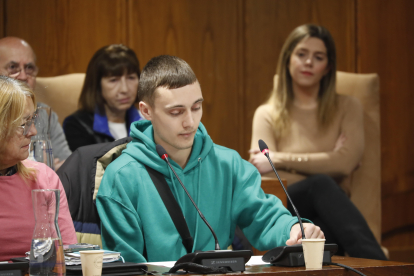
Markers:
19,176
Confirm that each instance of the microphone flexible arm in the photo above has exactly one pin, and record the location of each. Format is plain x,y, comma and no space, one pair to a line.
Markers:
217,246
264,149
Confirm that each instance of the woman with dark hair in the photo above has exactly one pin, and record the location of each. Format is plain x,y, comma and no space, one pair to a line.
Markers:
19,176
106,103
315,136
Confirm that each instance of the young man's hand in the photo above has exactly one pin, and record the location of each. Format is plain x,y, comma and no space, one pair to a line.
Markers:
311,232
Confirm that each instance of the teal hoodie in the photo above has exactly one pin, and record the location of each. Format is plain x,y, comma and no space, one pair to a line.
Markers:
225,187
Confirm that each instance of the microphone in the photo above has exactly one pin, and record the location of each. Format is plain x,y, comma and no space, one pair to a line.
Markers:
215,261
163,154
265,150
291,255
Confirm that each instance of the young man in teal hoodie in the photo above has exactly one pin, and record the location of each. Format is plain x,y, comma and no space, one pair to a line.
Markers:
225,187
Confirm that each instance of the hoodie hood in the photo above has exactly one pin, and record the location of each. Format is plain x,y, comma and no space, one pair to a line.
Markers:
142,132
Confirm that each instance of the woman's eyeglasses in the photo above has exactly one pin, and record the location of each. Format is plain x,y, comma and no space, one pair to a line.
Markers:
28,124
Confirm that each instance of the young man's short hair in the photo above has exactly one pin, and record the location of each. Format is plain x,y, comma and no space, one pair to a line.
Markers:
163,71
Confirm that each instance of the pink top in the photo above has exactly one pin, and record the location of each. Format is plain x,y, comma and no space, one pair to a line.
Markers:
16,211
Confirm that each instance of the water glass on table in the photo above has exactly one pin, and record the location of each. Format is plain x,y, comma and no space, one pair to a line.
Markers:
46,251
40,149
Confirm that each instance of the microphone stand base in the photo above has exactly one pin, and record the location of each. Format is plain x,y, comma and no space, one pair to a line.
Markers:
293,255
211,261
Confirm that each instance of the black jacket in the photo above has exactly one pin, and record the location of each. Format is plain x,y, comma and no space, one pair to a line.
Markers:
81,175
79,131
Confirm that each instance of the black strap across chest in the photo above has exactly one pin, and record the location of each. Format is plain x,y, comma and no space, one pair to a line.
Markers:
172,206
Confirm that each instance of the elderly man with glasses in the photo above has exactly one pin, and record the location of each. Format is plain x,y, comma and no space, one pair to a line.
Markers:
17,60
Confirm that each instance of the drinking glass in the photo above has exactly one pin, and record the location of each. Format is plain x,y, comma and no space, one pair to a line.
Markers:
42,121
40,149
46,251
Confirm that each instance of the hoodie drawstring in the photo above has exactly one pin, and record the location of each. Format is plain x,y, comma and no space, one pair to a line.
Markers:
174,187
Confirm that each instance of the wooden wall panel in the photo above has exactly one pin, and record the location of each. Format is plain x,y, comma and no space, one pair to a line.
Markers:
205,34
66,33
233,48
2,18
385,46
267,25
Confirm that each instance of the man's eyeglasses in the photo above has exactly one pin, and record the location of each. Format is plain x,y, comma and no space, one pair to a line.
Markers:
28,124
14,69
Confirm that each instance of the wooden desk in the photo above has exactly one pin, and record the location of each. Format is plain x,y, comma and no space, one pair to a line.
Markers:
368,267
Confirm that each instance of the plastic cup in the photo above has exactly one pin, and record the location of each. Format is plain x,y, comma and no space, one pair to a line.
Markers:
91,262
313,253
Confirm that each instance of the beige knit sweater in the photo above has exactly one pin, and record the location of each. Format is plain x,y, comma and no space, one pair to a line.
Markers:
306,149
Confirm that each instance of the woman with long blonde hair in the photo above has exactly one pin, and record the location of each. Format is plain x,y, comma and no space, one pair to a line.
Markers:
19,176
315,137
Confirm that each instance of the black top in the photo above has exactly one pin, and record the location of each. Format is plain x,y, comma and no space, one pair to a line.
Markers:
78,179
79,131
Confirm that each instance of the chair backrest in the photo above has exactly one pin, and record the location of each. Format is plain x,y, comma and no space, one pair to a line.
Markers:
366,180
60,92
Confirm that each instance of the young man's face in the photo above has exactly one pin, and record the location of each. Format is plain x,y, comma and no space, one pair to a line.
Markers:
175,116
